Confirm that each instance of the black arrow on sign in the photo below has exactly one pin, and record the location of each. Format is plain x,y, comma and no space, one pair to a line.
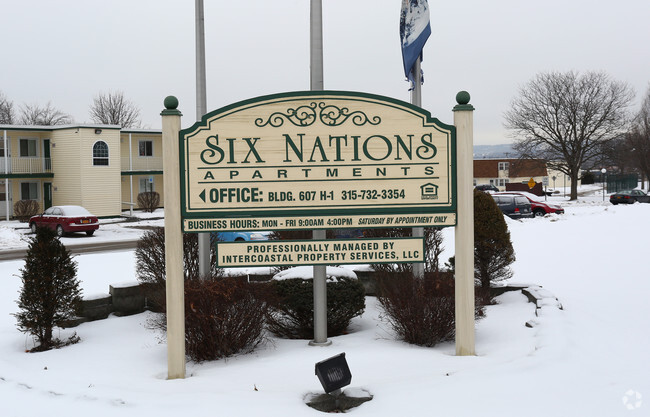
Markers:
202,195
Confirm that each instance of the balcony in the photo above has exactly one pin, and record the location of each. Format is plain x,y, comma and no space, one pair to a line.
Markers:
25,165
150,163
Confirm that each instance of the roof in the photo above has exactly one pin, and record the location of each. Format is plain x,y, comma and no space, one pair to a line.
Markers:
489,168
58,127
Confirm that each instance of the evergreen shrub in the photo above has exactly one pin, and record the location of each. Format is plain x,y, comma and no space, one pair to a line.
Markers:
291,306
50,295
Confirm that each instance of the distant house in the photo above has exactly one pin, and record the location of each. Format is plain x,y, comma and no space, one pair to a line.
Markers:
100,167
499,172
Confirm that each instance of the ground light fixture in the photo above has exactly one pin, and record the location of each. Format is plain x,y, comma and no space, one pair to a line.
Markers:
334,373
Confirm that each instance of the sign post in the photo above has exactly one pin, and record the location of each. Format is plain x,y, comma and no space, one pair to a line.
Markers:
464,282
175,291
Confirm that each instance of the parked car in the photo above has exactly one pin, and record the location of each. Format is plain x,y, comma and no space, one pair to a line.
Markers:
514,206
240,236
66,219
540,208
629,197
486,187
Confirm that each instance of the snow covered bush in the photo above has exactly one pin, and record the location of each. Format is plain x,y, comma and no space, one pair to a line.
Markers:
420,311
50,295
223,317
291,302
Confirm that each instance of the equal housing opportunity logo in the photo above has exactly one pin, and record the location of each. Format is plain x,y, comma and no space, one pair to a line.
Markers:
632,400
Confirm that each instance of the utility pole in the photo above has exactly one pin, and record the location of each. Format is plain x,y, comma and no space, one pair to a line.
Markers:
201,109
316,84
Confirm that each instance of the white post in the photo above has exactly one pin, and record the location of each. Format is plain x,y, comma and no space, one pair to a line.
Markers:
201,109
130,176
6,172
464,281
171,125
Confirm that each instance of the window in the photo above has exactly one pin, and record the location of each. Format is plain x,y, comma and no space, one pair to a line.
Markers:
503,166
29,191
145,148
28,148
503,181
146,185
100,153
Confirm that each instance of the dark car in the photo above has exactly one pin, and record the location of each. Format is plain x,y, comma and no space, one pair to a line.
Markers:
486,187
66,219
540,208
629,197
514,206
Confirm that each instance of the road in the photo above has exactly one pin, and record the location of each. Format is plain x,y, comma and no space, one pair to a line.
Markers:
13,254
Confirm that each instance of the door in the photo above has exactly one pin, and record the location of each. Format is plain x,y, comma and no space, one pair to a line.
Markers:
47,195
47,162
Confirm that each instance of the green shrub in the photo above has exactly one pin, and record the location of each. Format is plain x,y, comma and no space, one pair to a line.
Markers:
493,251
420,311
24,209
291,312
223,317
50,295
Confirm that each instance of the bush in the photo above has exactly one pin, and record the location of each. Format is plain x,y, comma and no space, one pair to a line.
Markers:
150,266
24,209
50,295
420,311
223,317
432,243
588,178
149,201
493,251
291,309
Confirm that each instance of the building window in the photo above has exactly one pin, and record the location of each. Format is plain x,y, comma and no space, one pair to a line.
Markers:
100,153
29,191
503,182
145,148
146,185
503,166
28,148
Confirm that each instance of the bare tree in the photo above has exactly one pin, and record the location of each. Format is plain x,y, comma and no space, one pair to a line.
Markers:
7,113
43,116
564,119
113,109
638,139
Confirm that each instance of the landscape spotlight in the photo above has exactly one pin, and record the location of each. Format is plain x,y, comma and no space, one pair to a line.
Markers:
333,373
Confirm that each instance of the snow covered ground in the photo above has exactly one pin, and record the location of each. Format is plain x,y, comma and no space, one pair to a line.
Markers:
589,359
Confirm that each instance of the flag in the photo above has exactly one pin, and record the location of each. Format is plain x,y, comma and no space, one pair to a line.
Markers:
414,30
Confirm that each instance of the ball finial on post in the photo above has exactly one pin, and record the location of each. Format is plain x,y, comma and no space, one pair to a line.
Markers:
462,97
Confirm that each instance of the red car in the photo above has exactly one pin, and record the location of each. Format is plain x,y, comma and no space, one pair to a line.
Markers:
66,219
539,207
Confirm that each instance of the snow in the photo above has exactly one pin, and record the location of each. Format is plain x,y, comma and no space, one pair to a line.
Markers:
589,358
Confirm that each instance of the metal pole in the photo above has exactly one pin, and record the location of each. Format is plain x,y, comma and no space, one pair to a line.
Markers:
130,177
201,109
416,100
316,83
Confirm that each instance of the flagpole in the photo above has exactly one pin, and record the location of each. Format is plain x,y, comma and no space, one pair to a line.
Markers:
416,100
316,84
201,109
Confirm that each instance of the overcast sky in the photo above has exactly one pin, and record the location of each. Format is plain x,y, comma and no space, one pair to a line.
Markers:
67,51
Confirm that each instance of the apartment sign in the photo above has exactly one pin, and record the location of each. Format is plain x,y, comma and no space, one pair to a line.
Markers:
310,160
